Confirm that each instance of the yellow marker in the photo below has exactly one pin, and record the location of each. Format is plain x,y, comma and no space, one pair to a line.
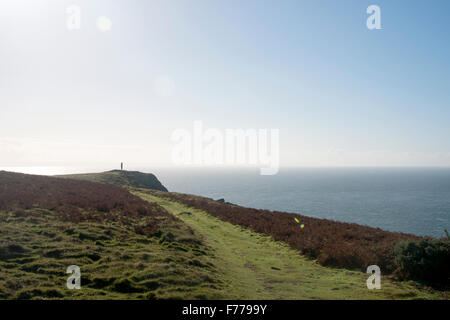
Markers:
296,220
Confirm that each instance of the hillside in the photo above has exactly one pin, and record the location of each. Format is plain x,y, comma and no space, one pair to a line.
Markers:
139,243
332,243
122,178
127,248
255,266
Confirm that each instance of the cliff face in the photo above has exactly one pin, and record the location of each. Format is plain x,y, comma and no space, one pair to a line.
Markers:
140,180
123,178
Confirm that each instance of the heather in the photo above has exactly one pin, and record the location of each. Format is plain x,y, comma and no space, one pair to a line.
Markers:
77,200
126,248
144,245
332,243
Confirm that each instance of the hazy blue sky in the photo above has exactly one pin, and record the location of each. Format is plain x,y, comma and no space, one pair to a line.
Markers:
340,94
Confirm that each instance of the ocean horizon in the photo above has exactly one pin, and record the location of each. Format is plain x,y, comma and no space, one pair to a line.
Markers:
408,200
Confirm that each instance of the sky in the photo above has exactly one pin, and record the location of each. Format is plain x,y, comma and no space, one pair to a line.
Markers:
339,93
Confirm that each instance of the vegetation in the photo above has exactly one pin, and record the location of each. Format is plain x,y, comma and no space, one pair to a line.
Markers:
147,245
76,200
127,248
337,244
115,261
122,178
427,260
254,266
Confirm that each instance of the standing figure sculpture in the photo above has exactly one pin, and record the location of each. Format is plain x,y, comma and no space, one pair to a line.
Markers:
121,166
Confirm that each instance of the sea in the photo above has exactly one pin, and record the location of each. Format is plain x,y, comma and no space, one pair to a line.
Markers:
409,200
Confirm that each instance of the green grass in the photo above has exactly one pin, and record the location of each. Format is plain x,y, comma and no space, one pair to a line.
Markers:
245,261
196,257
121,178
115,262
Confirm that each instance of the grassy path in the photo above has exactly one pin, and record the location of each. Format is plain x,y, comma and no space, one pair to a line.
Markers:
254,266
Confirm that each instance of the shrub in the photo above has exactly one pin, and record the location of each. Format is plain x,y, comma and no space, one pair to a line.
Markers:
427,260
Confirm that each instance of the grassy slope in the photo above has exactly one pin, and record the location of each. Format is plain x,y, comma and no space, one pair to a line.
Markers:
245,260
115,262
121,178
197,257
126,248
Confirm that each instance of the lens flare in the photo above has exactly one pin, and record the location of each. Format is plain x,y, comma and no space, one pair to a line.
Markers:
301,224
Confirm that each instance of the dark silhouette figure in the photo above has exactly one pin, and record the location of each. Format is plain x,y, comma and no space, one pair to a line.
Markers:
121,166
